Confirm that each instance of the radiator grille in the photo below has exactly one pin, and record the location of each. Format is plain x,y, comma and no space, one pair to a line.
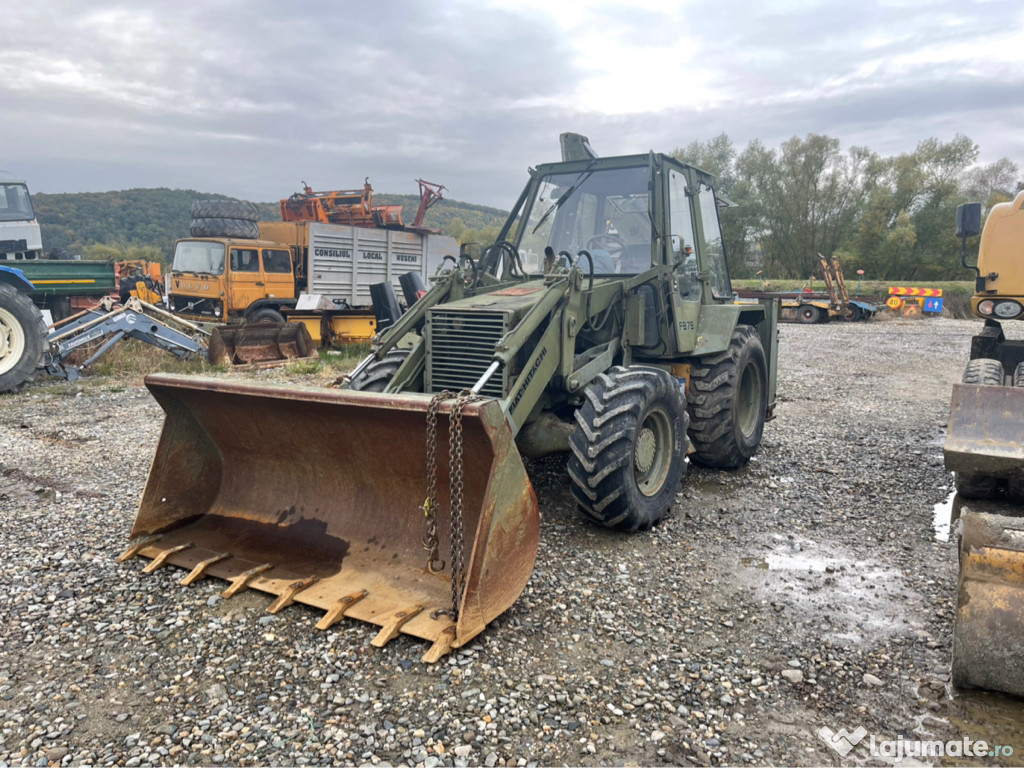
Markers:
460,347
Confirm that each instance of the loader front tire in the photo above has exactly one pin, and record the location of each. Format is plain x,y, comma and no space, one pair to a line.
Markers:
629,451
22,338
378,374
973,485
728,401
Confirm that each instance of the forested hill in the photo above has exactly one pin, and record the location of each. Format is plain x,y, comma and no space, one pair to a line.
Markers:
145,219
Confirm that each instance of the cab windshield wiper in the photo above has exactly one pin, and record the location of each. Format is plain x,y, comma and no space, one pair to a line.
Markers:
568,193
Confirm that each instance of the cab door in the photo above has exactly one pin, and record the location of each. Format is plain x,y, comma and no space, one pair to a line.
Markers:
245,282
278,280
687,294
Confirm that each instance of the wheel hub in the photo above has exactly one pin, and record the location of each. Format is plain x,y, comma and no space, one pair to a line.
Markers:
646,447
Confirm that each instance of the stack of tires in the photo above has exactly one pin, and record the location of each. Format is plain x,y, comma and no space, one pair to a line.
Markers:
224,218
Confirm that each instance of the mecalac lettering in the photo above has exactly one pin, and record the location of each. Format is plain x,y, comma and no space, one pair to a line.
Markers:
404,257
373,256
332,253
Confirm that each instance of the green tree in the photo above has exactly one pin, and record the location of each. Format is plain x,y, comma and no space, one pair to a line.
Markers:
905,230
804,199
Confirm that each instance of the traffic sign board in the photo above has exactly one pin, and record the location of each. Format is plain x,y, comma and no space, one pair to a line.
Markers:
894,302
897,291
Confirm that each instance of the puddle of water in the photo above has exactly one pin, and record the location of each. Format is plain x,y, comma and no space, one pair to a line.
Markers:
991,717
944,515
754,562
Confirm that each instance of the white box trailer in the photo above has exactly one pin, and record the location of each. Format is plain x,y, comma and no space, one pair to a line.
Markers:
344,261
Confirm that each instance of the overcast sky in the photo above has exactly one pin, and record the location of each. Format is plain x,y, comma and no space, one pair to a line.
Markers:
249,98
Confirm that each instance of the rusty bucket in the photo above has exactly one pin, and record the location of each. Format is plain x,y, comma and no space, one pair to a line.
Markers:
988,636
259,344
315,496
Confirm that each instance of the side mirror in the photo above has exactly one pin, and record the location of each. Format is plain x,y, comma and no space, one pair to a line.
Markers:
968,219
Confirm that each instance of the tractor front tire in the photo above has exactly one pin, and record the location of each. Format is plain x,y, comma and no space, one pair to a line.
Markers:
973,485
22,338
629,451
728,402
378,374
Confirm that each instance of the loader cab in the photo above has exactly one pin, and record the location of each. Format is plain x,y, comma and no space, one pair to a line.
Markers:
580,207
630,214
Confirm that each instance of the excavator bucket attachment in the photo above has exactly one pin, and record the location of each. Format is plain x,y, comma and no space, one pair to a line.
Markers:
260,344
986,430
316,495
988,637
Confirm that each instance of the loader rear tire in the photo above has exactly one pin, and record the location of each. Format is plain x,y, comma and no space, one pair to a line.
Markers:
22,338
972,485
629,451
378,374
224,209
224,227
728,401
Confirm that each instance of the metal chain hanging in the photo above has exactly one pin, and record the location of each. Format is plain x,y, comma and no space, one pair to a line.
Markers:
430,506
455,458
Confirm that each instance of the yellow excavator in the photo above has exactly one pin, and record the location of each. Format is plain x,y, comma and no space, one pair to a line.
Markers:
985,449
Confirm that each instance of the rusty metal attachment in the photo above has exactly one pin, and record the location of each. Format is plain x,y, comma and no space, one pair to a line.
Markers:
986,430
313,496
988,636
261,344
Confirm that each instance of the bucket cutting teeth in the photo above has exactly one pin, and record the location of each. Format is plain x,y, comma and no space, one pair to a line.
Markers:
161,560
137,546
199,571
288,596
241,581
337,611
393,626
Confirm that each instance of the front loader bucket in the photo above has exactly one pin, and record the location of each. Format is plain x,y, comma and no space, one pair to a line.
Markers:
988,637
315,495
260,344
986,430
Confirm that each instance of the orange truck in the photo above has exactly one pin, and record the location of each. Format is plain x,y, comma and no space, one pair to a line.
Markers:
317,266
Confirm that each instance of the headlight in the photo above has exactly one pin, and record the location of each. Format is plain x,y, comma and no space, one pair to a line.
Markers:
216,311
1008,309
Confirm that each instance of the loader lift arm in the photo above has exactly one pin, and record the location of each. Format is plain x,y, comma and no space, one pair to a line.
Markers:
110,323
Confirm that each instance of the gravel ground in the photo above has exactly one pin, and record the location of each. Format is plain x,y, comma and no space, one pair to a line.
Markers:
809,589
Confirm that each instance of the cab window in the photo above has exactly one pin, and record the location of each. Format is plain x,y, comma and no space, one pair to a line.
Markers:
721,287
683,253
244,260
277,262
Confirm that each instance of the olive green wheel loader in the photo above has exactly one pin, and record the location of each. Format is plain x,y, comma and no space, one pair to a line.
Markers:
601,323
